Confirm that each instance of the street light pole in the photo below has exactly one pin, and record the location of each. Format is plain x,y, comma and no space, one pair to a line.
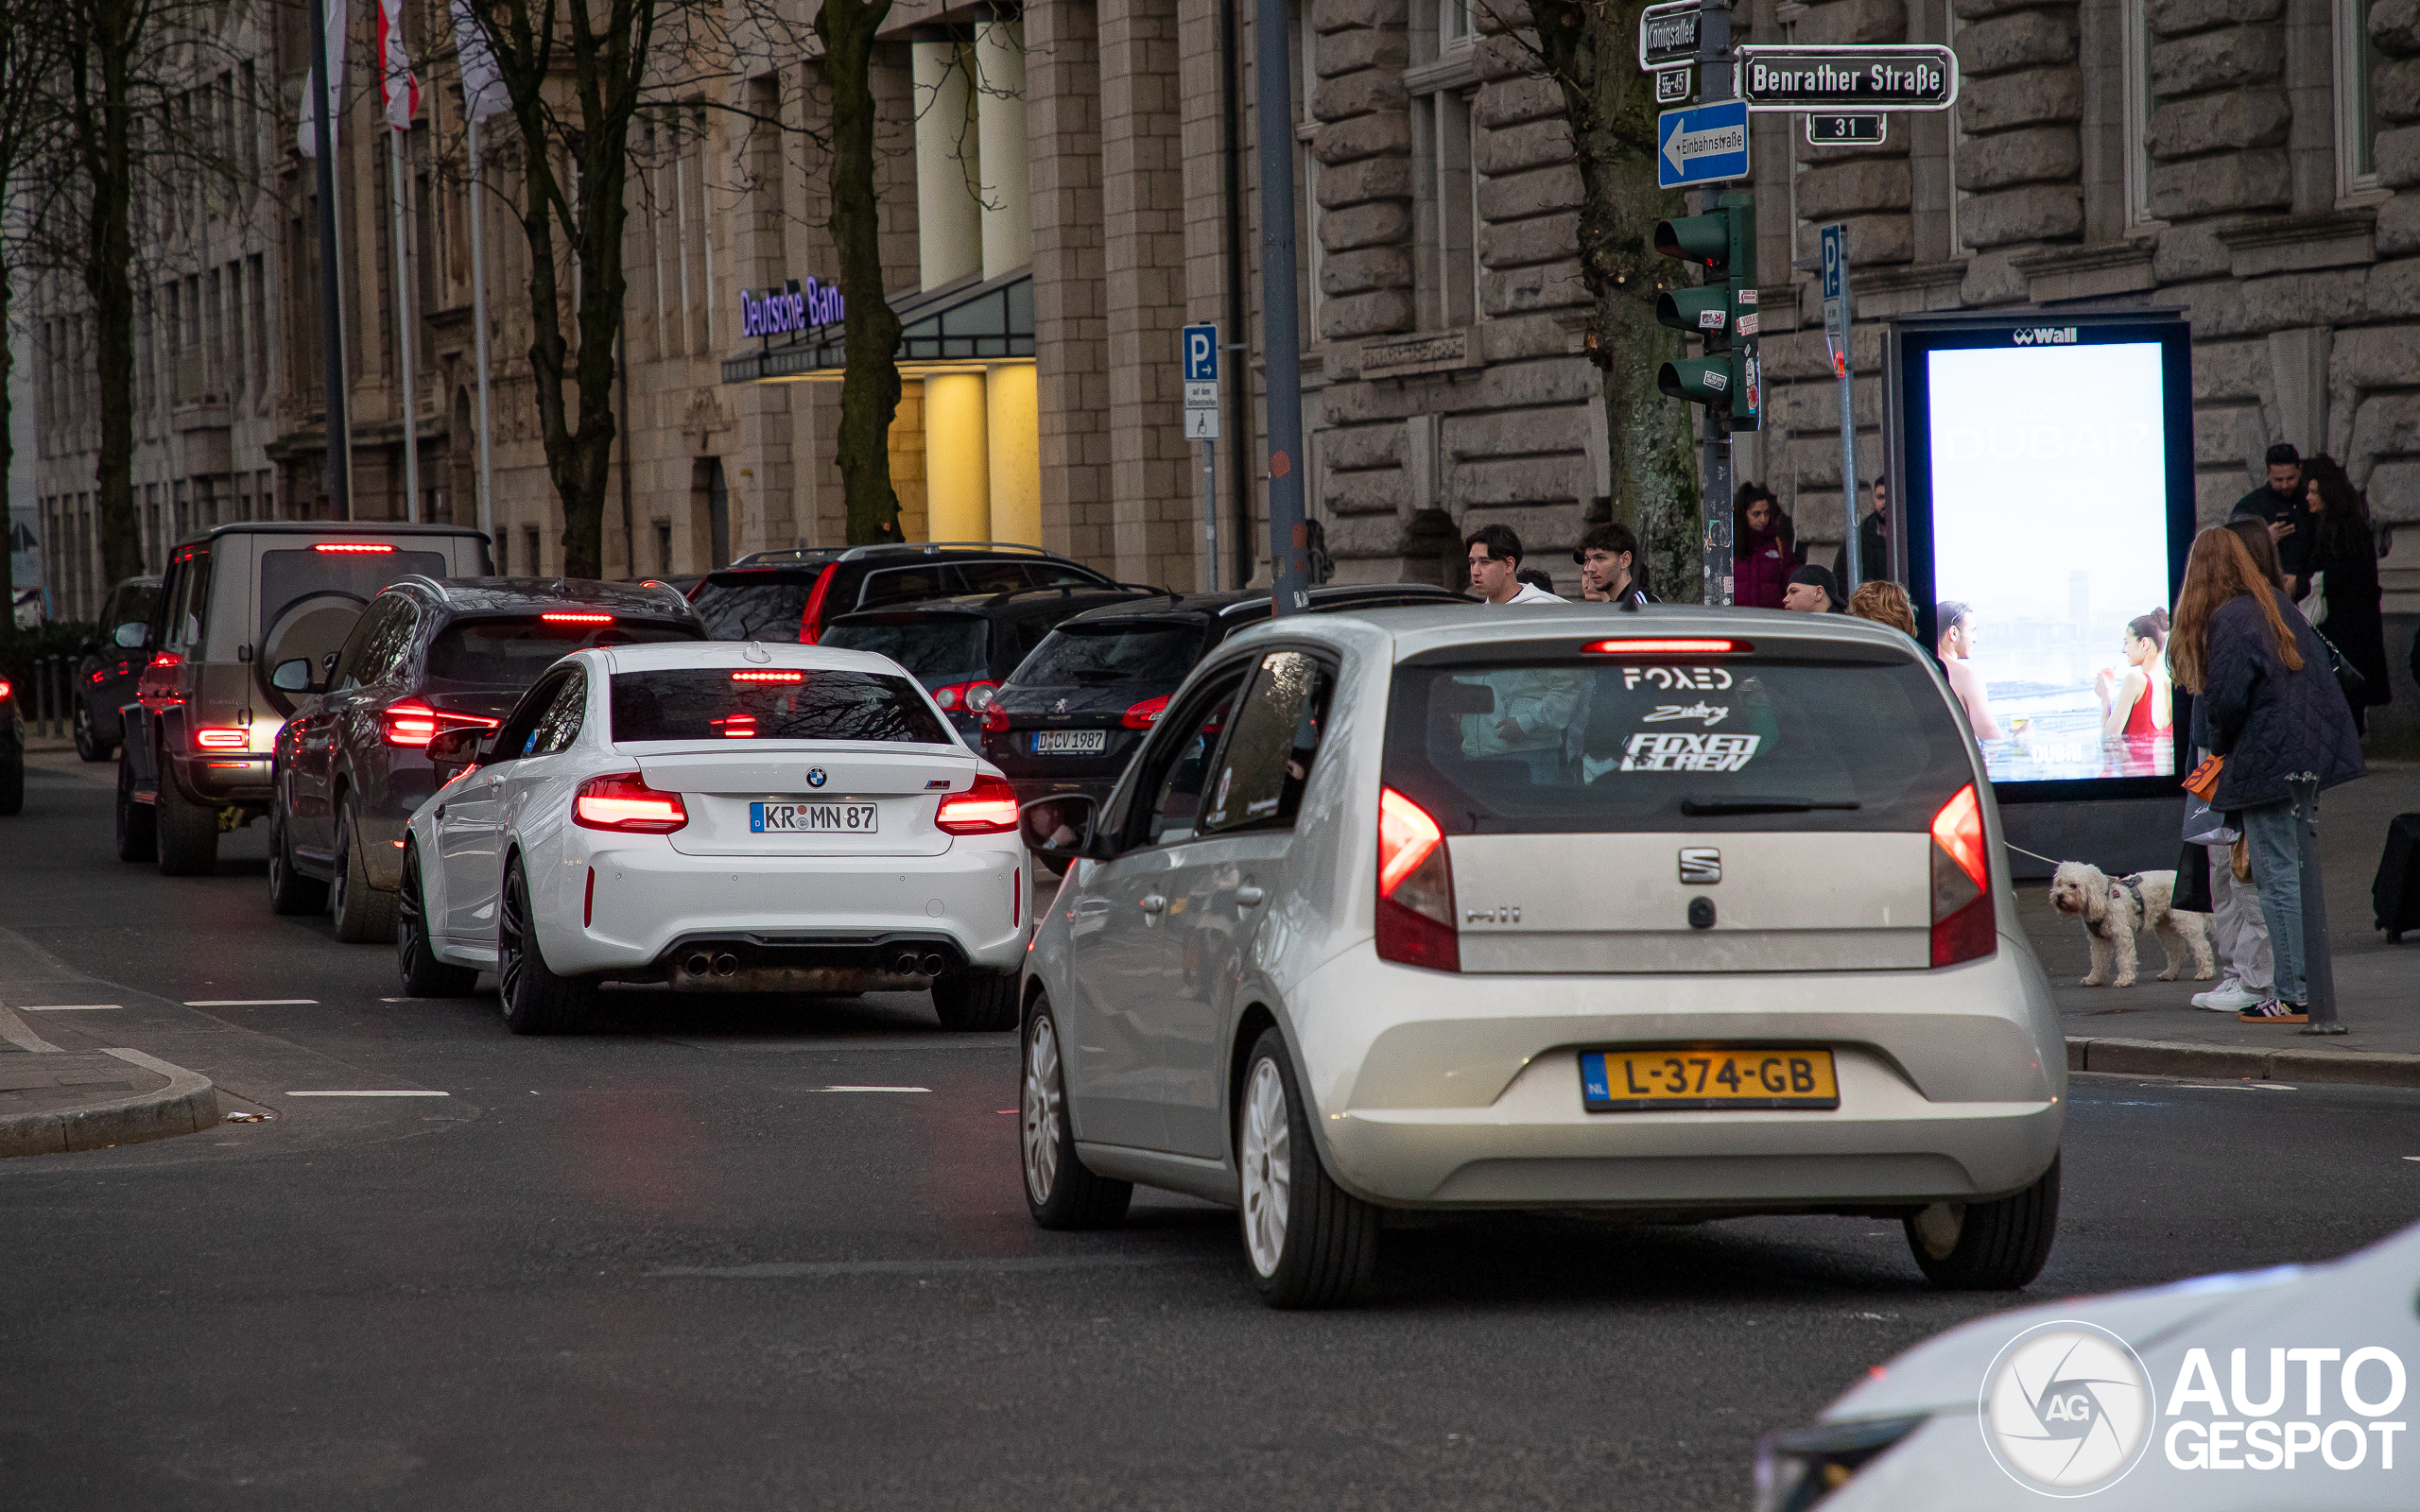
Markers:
1281,342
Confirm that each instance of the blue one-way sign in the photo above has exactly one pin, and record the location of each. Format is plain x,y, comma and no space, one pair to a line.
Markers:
1705,144
1202,354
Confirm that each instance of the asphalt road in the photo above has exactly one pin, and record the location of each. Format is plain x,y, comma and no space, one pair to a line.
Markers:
667,1265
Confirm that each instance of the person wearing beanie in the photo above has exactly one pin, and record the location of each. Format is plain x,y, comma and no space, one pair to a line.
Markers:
1813,590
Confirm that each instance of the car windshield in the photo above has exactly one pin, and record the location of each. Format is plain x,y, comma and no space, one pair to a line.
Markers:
1158,652
751,605
509,653
772,703
1569,743
940,648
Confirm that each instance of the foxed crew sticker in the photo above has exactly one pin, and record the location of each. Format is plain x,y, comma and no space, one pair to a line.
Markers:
1708,715
1688,750
1710,679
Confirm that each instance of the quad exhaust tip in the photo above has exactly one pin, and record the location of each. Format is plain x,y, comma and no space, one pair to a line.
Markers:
697,965
726,965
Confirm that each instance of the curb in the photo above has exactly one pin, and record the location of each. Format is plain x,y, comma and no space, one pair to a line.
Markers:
2171,1057
187,1105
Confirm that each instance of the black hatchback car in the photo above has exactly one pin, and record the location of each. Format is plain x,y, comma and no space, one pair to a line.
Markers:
961,650
111,664
428,655
1073,715
790,596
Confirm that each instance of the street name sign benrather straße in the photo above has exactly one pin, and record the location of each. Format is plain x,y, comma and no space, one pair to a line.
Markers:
1910,77
1667,34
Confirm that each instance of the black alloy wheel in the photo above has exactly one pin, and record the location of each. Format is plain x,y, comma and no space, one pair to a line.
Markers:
424,975
137,826
535,1000
364,915
289,891
88,745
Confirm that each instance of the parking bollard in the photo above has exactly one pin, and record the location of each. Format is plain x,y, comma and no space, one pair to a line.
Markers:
2319,969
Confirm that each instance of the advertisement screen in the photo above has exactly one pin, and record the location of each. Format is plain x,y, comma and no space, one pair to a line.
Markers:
2046,477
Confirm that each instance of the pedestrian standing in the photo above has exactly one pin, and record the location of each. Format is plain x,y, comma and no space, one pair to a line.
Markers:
2266,703
1764,548
1495,568
2278,505
1610,571
1813,591
1872,541
1884,602
2344,567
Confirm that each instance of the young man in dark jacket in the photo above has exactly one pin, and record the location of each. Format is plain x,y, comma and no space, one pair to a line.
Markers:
2278,503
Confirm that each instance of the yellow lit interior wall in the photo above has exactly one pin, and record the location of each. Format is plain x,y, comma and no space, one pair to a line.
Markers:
1016,454
957,466
907,447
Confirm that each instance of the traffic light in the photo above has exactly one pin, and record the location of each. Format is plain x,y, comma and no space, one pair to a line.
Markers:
1723,311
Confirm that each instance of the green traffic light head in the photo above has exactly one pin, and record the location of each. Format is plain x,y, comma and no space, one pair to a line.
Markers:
1706,311
1705,240
1699,380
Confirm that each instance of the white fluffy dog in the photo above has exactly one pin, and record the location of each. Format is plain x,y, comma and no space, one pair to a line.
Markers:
2114,909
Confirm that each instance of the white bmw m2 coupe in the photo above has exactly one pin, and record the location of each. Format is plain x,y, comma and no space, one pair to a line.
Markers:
717,818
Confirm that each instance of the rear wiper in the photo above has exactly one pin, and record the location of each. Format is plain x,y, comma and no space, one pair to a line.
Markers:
1696,807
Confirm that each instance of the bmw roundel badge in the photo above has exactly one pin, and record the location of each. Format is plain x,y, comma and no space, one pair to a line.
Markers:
815,776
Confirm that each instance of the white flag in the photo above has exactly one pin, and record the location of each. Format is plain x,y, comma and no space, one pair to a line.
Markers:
398,90
307,137
483,92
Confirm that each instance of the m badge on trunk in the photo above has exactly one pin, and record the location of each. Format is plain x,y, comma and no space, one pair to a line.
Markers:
1701,866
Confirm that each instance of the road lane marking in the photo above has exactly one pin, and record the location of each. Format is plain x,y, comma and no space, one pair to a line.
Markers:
878,1088
253,1003
787,1269
65,1007
366,1094
921,1042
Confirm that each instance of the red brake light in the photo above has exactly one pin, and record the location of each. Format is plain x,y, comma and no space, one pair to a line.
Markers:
736,726
413,723
166,658
990,807
221,739
1670,646
810,621
958,694
996,719
624,802
792,675
1147,714
568,617
1963,925
5,690
350,547
1415,887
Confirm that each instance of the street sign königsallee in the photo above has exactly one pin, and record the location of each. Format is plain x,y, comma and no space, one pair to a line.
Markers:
1706,143
1667,34
1912,77
1824,131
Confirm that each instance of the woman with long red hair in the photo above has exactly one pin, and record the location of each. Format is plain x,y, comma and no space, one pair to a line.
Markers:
2266,701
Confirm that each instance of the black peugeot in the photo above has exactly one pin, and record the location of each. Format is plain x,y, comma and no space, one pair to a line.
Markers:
792,596
113,661
963,648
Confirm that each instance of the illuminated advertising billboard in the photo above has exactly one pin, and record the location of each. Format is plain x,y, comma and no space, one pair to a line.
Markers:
2043,465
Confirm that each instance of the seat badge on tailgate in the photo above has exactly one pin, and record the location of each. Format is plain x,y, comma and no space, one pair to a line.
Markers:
1701,866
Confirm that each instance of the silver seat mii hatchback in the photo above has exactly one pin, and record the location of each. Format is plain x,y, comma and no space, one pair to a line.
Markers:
1673,912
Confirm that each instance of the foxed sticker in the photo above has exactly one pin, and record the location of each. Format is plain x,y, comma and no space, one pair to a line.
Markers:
1709,715
1684,750
1669,679
1260,809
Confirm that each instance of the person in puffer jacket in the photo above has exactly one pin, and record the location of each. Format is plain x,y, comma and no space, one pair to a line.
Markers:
1764,548
2266,701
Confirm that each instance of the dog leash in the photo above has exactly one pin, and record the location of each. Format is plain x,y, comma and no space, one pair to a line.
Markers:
2035,854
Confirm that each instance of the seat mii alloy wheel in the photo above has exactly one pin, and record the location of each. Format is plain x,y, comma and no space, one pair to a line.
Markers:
1058,1190
1311,1243
1268,1167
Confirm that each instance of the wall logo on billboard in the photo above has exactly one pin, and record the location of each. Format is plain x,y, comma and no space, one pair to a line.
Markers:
790,308
2044,335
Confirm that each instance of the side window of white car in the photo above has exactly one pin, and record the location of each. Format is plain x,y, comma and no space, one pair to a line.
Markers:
1267,758
1178,784
560,726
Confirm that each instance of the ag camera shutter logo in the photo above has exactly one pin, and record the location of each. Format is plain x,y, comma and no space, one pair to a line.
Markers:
2067,1409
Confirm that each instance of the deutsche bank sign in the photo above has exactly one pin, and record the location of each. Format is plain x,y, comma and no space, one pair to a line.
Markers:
779,312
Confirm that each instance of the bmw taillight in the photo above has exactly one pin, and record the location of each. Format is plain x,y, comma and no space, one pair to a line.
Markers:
811,620
1963,928
1147,714
990,807
624,802
413,723
1415,887
960,696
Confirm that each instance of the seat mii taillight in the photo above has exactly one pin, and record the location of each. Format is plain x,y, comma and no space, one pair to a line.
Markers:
1963,928
1415,887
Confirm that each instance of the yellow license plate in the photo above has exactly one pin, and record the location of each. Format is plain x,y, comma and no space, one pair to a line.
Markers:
1639,1081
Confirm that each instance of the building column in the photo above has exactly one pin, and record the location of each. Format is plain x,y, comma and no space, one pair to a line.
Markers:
1063,122
1015,426
957,458
948,167
1002,148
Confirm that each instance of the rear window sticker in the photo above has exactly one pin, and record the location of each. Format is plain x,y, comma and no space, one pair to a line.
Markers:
1710,679
1681,750
1709,715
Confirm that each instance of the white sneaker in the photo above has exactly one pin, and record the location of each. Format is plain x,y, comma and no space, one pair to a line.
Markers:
2228,997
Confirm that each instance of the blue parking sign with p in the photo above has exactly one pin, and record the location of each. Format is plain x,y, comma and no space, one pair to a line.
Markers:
1202,354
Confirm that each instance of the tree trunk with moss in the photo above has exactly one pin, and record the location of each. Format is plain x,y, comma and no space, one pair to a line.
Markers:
870,387
1590,49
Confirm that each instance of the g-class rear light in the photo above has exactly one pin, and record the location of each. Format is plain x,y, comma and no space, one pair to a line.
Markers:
990,807
1963,927
223,739
622,802
353,548
960,695
1147,714
413,723
1415,887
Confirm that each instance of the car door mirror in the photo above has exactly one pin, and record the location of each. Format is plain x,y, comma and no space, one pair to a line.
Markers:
292,677
132,636
1064,827
452,750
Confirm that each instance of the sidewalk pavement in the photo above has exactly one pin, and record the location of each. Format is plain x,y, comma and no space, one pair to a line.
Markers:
64,1089
2152,1028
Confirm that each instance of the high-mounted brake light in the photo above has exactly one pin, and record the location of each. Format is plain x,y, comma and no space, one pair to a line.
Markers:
559,616
1963,925
221,739
811,620
1670,646
1415,887
413,723
746,676
1147,714
623,801
166,658
352,548
990,807
960,695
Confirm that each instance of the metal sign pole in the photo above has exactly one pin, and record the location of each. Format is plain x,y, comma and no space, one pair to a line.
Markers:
1210,510
1281,342
1839,315
1714,73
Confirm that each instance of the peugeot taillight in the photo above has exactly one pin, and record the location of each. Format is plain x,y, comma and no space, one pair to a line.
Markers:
1147,714
624,802
1963,928
1415,887
960,695
413,723
996,719
811,620
990,807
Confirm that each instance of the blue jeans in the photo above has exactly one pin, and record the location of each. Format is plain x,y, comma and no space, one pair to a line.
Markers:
2276,871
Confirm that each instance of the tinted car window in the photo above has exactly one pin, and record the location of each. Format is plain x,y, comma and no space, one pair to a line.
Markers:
1268,758
371,637
1176,798
509,653
751,605
993,576
560,725
132,605
1159,652
903,585
189,603
1545,744
938,648
723,703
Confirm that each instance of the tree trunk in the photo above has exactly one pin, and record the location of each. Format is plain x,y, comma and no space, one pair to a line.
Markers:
102,127
7,447
869,389
1590,51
